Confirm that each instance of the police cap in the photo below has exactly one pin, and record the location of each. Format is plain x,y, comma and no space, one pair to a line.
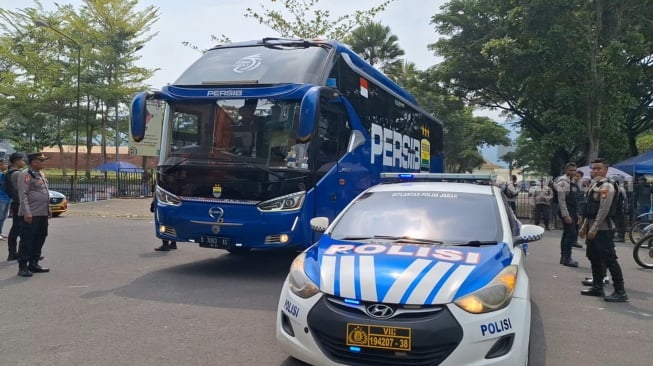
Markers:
37,155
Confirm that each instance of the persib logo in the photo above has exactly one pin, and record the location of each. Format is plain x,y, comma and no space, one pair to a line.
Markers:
397,150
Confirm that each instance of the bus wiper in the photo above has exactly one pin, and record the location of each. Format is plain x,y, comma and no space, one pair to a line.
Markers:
238,159
280,43
479,243
230,82
170,168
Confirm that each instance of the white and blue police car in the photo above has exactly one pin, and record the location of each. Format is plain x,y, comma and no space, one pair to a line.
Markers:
425,270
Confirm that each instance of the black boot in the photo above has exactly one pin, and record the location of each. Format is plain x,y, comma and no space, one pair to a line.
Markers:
34,267
567,261
617,296
12,257
23,271
164,247
593,291
172,245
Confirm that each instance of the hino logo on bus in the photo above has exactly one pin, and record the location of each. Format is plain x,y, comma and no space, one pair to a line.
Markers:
379,311
216,212
401,151
224,93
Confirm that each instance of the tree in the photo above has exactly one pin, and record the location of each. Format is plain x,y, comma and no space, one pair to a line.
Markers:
558,66
464,134
302,19
374,42
38,70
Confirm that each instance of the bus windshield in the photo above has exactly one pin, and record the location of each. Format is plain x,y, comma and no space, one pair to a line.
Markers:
259,131
247,146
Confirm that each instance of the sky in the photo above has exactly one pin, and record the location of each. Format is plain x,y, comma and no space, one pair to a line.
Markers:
196,20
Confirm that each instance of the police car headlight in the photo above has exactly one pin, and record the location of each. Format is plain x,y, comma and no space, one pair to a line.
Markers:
166,198
494,296
298,281
288,202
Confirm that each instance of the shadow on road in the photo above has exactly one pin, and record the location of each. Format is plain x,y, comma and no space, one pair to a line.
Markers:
250,281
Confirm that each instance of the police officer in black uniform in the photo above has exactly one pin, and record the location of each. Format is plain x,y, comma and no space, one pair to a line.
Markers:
34,210
599,229
567,202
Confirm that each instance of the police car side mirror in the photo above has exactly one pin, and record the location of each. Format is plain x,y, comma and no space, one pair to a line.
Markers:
320,224
529,233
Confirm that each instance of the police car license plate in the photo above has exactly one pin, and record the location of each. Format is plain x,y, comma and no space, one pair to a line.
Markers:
214,242
373,336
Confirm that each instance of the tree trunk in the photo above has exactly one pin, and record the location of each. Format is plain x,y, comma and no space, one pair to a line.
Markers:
594,100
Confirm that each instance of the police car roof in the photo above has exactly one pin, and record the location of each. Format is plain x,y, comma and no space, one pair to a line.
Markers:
422,186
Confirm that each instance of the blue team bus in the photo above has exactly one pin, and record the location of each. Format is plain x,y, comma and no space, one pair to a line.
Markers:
259,137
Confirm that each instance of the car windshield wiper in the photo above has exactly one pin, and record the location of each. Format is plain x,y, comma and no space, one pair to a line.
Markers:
478,243
403,239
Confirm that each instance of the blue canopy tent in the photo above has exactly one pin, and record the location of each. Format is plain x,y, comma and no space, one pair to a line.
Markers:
118,166
640,164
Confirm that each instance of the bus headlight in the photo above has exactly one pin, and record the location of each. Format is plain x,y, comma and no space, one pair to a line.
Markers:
298,281
494,296
166,198
288,202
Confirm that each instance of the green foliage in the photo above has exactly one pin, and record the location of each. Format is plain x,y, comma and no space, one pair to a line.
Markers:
302,19
39,67
375,43
571,73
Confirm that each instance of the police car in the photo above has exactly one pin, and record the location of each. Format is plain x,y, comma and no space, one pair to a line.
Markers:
425,270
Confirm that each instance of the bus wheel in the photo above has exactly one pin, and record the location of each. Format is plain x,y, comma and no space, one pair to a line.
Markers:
239,250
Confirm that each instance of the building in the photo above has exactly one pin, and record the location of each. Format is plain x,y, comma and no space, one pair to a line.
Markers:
59,159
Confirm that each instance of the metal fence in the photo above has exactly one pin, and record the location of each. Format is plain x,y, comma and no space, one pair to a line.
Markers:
102,187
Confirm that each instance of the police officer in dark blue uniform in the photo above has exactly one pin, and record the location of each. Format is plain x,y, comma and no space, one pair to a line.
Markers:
599,229
34,210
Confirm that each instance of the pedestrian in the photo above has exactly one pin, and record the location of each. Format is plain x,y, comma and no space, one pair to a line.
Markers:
620,209
34,210
541,201
17,163
166,245
511,191
582,187
568,211
598,227
642,196
5,199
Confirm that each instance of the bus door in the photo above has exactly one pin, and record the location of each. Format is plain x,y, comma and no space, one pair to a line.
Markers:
335,186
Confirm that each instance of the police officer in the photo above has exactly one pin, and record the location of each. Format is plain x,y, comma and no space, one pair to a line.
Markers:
567,202
599,229
17,161
34,210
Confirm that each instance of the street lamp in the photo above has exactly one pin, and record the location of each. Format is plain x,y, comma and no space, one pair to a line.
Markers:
44,24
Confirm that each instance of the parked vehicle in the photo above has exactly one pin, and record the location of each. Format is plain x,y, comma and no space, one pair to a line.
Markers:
58,203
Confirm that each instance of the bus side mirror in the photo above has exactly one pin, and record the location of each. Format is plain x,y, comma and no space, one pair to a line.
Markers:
308,113
137,116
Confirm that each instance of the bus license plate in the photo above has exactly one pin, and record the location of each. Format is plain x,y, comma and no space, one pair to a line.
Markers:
373,336
214,242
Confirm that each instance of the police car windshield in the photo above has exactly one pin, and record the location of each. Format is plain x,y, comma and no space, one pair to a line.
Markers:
447,217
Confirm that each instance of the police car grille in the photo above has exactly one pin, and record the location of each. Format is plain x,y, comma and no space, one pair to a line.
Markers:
403,312
336,349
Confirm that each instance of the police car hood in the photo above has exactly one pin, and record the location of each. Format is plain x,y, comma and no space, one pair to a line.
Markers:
397,273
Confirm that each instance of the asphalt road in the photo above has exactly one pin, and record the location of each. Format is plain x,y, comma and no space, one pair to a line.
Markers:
111,300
